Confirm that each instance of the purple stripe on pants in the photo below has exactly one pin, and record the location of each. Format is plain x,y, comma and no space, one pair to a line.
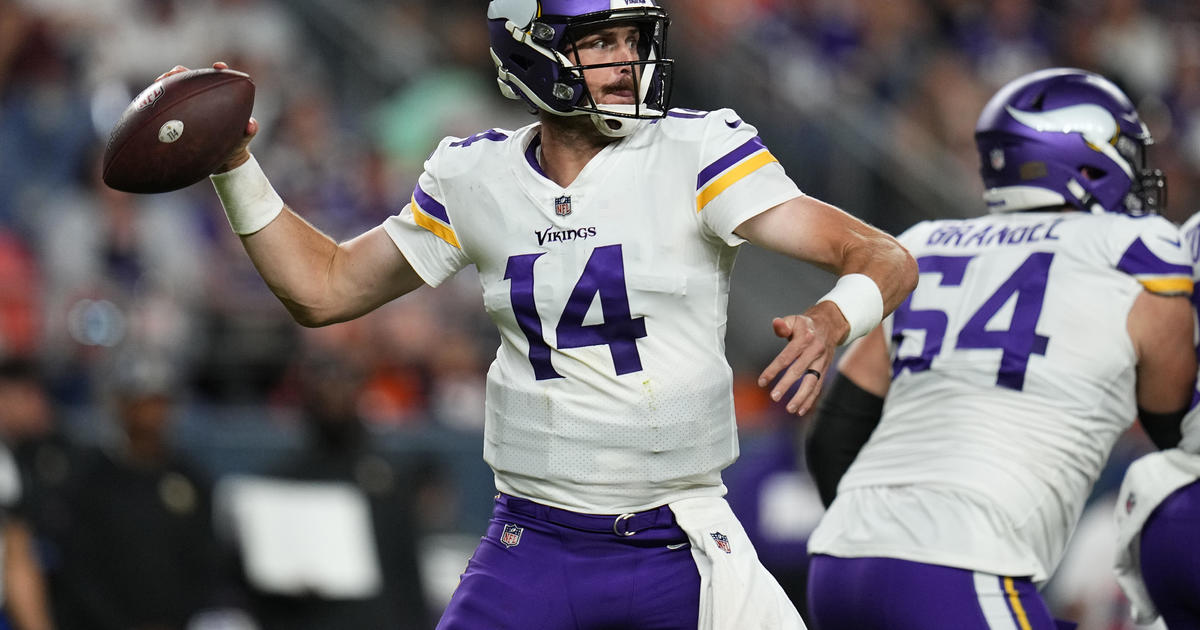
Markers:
1170,551
891,594
533,574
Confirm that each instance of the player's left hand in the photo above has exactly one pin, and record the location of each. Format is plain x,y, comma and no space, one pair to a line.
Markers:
812,338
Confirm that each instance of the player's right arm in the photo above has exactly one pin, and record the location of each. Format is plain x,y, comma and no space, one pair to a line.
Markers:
318,280
1160,326
323,282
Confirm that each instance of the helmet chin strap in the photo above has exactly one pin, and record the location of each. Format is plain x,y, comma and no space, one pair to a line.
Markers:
614,126
1085,198
621,126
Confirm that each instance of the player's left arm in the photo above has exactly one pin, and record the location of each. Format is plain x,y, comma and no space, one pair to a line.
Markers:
848,412
818,233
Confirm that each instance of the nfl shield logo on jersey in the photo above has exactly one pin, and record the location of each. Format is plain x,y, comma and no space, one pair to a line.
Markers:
722,541
562,205
511,536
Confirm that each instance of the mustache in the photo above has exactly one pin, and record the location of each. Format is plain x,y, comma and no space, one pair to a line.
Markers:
624,85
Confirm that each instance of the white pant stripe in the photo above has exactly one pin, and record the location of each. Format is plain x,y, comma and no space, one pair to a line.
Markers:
993,603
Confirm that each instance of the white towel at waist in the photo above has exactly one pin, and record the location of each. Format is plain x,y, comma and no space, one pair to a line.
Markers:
736,590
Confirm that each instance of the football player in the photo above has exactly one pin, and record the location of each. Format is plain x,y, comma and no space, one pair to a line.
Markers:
1158,507
990,400
603,234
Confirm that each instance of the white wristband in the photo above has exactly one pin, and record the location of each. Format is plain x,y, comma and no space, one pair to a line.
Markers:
860,301
249,200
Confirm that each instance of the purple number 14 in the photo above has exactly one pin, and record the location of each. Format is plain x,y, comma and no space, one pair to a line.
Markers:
602,277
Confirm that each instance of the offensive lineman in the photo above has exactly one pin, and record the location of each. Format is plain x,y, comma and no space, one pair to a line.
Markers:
604,235
1035,337
1158,508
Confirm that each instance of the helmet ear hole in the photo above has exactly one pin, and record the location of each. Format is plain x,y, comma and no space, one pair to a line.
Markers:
521,61
1038,103
1092,173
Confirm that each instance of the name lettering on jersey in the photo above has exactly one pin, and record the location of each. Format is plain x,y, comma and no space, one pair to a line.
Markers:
982,236
550,235
490,134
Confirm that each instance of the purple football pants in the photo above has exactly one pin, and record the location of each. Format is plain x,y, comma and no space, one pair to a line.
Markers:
540,568
1170,550
891,594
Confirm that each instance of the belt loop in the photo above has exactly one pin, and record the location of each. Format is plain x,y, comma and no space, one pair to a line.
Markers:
619,526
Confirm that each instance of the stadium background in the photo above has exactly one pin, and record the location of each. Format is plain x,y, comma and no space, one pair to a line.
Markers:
869,104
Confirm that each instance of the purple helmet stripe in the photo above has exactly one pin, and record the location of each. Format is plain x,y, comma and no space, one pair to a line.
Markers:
573,7
430,206
710,172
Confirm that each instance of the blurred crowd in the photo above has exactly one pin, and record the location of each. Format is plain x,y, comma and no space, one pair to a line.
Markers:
870,105
87,270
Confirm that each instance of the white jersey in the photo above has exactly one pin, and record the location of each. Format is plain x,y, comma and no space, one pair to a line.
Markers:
610,391
1013,376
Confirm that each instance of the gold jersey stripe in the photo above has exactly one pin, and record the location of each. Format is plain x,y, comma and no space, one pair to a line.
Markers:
1168,286
718,186
440,230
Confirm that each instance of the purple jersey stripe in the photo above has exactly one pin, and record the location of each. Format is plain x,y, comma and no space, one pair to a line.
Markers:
753,145
430,205
531,155
1139,260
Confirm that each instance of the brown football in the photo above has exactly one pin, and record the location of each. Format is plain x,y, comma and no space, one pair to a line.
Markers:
178,130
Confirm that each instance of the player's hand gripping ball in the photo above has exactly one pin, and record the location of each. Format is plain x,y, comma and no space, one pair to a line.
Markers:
178,130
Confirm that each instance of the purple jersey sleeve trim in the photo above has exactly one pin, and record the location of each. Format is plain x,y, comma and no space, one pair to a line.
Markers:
430,205
710,172
531,155
1139,260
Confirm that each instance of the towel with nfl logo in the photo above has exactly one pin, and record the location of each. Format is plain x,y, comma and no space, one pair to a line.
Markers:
736,590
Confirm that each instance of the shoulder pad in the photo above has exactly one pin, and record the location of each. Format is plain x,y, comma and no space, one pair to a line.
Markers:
455,156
